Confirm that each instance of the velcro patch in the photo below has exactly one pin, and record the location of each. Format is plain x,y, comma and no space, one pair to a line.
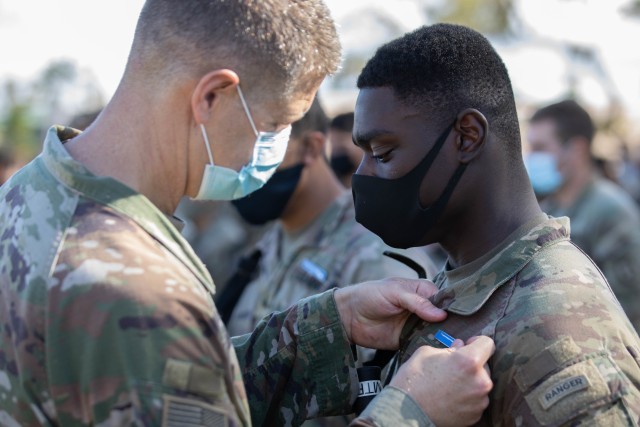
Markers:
545,362
563,389
192,378
568,393
179,412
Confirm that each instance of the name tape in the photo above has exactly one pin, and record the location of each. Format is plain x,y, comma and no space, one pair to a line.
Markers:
370,388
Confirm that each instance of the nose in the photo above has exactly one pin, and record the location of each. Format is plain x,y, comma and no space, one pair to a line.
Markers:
366,167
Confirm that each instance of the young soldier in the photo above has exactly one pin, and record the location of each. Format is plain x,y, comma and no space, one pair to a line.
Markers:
442,162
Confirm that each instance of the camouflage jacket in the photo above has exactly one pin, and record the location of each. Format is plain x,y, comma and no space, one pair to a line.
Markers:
605,223
333,251
565,352
107,319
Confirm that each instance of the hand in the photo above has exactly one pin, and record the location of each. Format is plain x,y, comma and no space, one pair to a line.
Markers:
450,385
373,313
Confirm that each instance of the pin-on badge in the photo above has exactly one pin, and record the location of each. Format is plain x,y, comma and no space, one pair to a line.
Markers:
444,338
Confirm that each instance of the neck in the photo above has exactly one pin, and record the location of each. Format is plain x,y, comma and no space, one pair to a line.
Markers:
318,189
129,144
574,187
489,220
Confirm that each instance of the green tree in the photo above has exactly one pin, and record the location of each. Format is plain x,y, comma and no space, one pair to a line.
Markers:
19,134
491,17
633,8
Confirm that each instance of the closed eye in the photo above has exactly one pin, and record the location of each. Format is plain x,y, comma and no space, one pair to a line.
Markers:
382,158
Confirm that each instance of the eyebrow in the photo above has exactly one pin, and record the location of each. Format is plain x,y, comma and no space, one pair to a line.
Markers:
365,137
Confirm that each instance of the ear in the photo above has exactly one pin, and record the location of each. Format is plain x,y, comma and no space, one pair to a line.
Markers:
314,146
208,90
473,128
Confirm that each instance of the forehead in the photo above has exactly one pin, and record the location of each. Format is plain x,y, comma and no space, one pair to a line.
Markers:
276,109
544,129
379,108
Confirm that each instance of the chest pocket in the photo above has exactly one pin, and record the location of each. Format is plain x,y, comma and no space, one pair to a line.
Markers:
560,384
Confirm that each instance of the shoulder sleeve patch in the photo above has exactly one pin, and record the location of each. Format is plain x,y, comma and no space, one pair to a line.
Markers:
179,412
185,376
546,362
568,393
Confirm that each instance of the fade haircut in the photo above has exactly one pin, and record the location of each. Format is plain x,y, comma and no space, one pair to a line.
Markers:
315,120
570,119
287,44
443,69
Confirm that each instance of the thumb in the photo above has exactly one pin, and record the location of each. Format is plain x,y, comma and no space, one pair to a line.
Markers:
483,347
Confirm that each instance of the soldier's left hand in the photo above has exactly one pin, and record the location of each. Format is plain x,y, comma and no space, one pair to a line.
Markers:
373,313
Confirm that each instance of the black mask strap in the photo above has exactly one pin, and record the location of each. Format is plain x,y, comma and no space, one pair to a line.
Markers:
424,165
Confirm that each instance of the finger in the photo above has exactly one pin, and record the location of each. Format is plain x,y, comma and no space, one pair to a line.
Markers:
481,346
423,287
472,339
458,343
422,307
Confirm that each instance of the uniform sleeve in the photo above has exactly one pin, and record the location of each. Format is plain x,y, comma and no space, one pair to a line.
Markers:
392,407
298,364
133,339
565,361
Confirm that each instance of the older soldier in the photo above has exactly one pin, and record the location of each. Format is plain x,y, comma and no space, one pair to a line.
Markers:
605,221
108,316
437,121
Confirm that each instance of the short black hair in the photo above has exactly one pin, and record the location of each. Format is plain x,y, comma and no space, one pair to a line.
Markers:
443,69
315,120
570,118
342,122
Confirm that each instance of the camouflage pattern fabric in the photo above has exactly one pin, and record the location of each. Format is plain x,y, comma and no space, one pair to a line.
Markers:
108,318
566,354
605,223
333,251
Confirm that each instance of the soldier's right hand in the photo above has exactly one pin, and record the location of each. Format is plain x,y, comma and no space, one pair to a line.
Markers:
451,385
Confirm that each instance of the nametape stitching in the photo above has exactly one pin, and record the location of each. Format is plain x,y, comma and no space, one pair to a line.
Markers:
562,389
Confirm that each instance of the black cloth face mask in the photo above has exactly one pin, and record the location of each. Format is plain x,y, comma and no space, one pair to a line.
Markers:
342,165
268,203
391,208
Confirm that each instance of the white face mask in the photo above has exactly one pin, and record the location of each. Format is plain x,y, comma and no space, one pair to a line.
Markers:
220,183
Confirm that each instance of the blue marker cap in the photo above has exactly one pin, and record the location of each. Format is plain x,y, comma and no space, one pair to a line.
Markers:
444,338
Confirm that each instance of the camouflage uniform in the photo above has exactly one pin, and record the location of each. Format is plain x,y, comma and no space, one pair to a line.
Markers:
333,251
565,352
605,223
108,319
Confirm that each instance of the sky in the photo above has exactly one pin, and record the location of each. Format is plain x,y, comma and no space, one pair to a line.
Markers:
97,35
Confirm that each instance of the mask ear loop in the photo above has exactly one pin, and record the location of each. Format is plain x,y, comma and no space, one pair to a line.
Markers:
206,143
246,110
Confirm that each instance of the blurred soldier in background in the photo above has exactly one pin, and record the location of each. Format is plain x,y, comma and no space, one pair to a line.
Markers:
605,221
345,156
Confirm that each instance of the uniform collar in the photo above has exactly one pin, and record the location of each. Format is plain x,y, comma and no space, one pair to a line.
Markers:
466,289
116,195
